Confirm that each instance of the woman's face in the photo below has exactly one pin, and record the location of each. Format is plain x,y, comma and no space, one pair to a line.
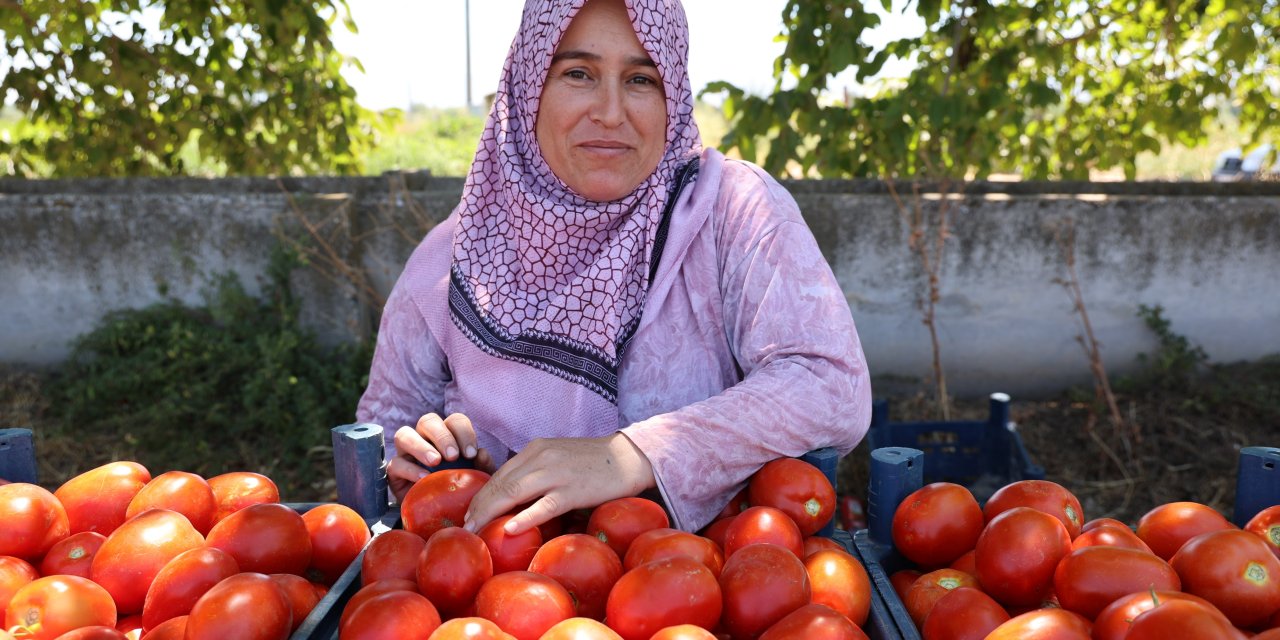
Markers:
602,121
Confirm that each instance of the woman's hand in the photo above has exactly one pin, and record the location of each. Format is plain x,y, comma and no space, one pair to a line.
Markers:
428,444
558,475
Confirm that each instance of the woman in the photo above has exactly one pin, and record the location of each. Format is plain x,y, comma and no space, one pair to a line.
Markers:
622,308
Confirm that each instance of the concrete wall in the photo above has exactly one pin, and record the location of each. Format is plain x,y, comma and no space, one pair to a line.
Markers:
70,251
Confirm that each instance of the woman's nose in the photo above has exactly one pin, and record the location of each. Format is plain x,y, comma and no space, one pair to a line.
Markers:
609,109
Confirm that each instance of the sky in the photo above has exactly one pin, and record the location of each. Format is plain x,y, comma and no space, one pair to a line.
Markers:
413,51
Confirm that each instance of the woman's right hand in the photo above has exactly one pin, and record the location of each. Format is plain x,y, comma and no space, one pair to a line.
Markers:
429,443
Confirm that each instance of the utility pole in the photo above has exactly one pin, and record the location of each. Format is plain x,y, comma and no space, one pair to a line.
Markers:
467,18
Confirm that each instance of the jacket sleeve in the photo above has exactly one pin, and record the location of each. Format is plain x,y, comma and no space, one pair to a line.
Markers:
805,383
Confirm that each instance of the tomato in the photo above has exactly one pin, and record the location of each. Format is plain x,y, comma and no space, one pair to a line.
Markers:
716,530
936,523
1270,634
664,593
817,543
523,603
763,524
902,579
1112,623
813,622
1089,579
739,503
301,594
761,584
264,538
440,500
95,632
1267,525
370,591
1044,624
469,629
182,581
451,568
1109,535
1184,620
839,581
656,544
927,590
132,556
683,632
1041,495
798,489
97,499
509,552
967,562
963,613
1166,527
618,522
186,493
580,629
171,629
392,554
586,567
73,555
130,626
1097,522
1233,569
391,616
236,490
1017,554
34,520
338,534
852,511
50,606
246,606
15,573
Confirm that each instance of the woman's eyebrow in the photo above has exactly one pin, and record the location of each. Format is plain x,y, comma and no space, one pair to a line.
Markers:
576,54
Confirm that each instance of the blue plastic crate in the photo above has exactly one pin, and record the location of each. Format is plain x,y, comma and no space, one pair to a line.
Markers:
1257,482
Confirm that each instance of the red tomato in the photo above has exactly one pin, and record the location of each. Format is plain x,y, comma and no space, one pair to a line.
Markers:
1041,495
586,567
761,583
182,581
95,632
1109,535
1112,623
852,512
1044,624
813,622
469,629
264,538
440,500
130,626
618,522
73,555
51,606
15,573
302,596
1166,527
392,616
1233,569
1097,522
246,606
936,523
930,587
656,544
1267,525
580,629
523,603
1017,554
818,543
34,520
132,556
716,530
186,493
763,524
337,535
739,503
236,490
798,489
967,562
902,580
1184,620
97,499
839,581
451,568
683,632
963,613
1270,634
1089,579
171,629
392,554
664,593
509,552
370,591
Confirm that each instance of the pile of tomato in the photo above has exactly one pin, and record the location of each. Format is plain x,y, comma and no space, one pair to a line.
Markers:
1028,566
116,554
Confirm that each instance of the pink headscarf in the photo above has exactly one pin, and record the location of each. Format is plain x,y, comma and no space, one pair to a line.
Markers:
541,275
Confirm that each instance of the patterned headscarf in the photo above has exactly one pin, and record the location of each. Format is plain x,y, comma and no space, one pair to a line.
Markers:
541,275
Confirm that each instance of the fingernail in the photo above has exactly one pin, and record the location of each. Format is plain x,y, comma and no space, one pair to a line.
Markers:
471,452
510,527
451,453
469,525
422,474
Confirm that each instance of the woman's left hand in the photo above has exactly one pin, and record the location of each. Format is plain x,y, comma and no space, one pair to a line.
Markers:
558,475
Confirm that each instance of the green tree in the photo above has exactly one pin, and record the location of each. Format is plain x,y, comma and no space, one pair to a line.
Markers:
119,87
1047,88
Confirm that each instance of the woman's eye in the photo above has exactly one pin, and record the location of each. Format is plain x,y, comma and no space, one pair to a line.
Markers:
644,80
576,74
